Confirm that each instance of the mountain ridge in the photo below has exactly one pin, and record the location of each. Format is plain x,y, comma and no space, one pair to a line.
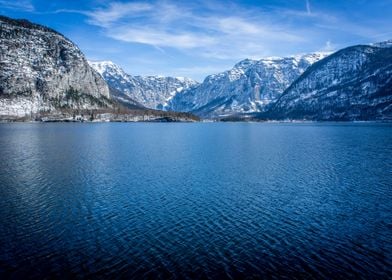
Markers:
247,87
354,83
152,91
42,71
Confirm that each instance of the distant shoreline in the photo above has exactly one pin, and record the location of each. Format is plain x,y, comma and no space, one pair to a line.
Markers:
165,120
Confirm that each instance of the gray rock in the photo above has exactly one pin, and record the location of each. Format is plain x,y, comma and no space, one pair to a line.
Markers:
247,88
352,84
151,91
41,70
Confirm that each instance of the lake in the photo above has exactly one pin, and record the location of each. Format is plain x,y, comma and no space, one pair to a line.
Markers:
196,200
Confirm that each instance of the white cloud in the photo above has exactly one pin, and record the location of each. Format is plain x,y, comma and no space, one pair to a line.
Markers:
116,11
161,38
211,33
23,5
308,10
236,25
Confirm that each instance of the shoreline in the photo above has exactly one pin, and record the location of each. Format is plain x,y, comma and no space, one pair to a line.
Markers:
168,120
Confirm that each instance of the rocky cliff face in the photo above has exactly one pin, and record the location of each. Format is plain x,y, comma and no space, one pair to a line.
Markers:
41,70
151,91
352,84
248,87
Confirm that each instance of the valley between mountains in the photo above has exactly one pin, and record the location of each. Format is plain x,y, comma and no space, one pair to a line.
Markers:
44,76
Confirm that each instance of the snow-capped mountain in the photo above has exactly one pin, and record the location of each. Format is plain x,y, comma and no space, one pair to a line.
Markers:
352,84
41,70
151,91
248,87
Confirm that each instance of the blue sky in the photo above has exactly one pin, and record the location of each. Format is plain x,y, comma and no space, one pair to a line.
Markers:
197,38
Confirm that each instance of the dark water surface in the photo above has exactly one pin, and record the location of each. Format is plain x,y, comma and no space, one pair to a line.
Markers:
231,200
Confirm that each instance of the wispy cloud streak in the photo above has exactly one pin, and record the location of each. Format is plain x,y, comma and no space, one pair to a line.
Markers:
210,32
308,10
22,5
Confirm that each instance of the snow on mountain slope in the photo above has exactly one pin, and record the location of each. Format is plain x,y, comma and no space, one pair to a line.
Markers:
248,87
352,84
150,91
41,70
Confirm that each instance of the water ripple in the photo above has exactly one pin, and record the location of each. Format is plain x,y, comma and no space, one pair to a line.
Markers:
200,201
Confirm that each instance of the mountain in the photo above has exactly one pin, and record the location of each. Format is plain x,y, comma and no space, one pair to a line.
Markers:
354,83
42,73
151,91
248,87
41,70
124,100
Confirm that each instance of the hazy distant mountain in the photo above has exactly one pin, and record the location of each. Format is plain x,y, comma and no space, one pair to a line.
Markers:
352,84
248,87
150,91
41,70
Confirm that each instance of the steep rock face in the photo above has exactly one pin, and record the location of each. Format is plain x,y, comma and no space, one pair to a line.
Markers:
41,70
152,91
352,84
248,87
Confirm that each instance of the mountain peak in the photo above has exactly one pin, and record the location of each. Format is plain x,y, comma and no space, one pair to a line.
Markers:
351,84
24,23
151,91
247,87
106,66
245,63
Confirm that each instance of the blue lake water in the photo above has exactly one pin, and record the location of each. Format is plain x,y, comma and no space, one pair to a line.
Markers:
203,200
